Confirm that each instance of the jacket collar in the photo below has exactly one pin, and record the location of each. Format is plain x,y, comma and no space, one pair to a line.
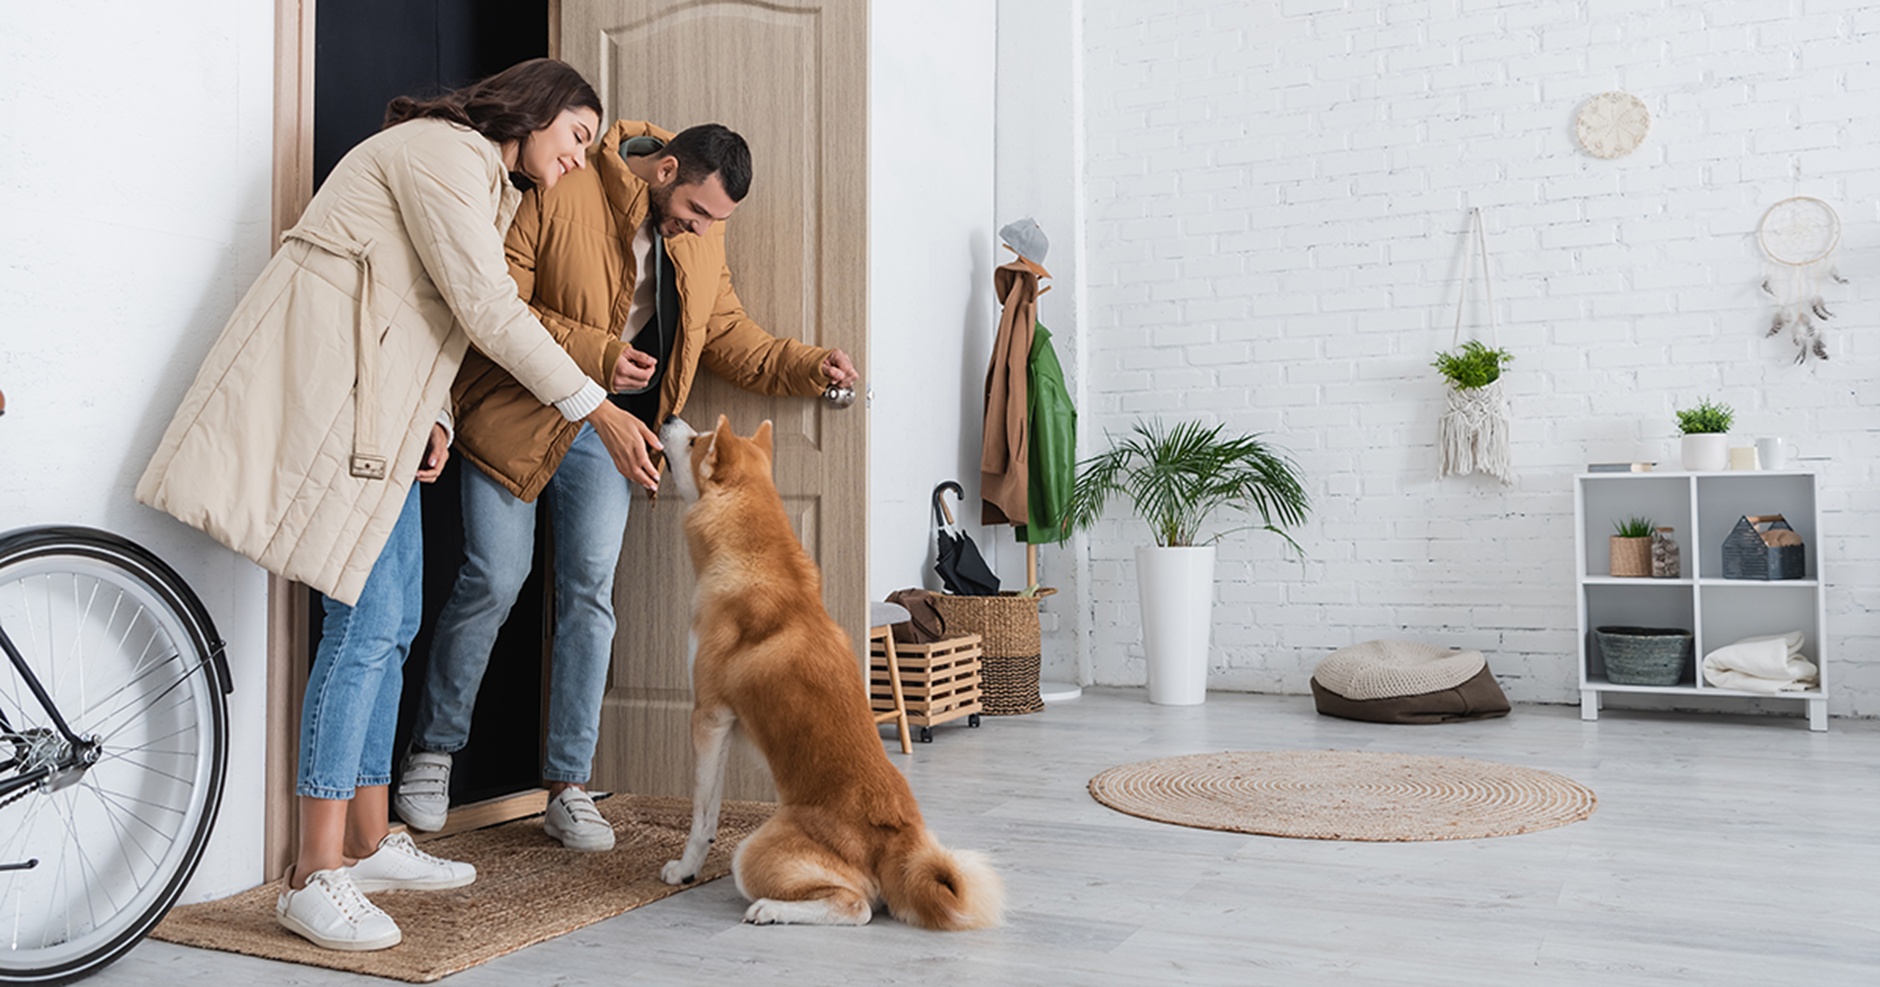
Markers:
626,193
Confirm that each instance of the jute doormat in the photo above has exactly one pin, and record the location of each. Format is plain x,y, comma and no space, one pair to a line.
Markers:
1344,795
528,889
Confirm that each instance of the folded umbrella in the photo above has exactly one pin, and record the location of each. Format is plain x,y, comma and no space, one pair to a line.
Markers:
957,559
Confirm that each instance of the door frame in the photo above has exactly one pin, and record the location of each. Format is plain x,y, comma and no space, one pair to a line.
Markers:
288,607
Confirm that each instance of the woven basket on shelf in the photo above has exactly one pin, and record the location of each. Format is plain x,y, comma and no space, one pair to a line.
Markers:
1645,655
1007,625
1631,556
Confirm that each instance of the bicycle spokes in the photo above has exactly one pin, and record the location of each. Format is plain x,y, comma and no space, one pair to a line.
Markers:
112,745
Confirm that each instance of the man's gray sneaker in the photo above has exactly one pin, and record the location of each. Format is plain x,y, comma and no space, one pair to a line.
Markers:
423,800
573,819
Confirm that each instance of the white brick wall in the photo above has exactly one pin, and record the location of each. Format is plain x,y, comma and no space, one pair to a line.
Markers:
1276,199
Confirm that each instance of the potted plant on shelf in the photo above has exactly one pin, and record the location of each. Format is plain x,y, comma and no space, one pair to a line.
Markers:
1474,432
1631,548
1706,444
1177,477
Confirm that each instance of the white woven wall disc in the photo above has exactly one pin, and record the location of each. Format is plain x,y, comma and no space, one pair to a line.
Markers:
1613,125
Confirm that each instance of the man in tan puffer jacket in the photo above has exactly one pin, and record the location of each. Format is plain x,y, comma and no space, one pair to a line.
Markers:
624,262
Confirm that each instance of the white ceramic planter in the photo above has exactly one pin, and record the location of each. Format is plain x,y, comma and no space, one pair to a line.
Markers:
1176,589
1705,453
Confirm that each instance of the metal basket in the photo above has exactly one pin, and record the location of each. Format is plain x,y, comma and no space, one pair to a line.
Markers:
1645,655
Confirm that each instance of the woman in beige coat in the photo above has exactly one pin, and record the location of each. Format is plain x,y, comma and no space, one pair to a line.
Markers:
327,395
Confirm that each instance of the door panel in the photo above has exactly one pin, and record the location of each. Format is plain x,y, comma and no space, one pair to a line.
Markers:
792,78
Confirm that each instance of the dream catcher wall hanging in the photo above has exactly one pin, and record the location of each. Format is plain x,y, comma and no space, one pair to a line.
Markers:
1800,235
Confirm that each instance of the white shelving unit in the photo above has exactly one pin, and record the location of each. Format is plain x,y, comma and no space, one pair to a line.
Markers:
1703,507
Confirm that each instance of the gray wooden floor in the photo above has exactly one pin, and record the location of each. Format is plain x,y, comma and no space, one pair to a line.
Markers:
1726,850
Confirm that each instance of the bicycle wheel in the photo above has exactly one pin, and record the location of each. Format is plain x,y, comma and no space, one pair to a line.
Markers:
130,661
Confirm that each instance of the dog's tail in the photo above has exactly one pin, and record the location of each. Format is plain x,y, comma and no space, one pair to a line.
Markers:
935,888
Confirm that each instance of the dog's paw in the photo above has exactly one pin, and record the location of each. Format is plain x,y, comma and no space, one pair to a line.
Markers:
676,872
766,912
770,911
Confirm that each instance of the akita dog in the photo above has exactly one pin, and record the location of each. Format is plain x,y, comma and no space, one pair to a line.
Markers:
848,835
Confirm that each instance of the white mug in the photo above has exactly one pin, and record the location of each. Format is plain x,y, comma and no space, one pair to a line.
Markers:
1774,453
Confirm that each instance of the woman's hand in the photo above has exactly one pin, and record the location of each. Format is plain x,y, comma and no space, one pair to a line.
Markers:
627,440
633,370
436,454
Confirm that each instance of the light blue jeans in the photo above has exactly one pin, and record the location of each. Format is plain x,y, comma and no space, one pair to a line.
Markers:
587,501
351,708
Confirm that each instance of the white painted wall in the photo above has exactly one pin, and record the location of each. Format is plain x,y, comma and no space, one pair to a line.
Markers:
1276,195
1039,174
932,315
134,164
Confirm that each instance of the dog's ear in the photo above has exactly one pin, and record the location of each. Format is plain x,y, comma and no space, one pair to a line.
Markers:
762,438
724,447
708,460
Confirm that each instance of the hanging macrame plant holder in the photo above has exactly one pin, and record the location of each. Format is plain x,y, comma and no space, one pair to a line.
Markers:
1474,433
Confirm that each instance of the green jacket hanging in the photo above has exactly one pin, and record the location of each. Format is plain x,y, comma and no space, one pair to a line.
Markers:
1052,421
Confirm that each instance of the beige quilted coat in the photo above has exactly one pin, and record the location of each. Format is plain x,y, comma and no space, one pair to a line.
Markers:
395,267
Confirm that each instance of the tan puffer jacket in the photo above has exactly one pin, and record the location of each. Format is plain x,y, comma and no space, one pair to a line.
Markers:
404,241
570,252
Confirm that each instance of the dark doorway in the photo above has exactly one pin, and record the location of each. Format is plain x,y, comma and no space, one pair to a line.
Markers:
366,52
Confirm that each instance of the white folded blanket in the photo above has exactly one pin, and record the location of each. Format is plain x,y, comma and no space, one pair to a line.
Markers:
1762,664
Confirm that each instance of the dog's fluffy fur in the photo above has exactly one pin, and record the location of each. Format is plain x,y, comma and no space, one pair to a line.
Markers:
848,835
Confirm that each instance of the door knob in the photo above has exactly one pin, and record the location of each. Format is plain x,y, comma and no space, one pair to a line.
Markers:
839,396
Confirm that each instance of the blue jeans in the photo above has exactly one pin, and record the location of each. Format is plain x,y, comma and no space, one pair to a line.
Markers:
588,501
351,708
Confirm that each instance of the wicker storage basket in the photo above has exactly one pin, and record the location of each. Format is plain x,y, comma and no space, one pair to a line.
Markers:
1631,556
1007,626
1645,655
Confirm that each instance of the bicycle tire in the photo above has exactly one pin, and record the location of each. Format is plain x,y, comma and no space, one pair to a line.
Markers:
128,654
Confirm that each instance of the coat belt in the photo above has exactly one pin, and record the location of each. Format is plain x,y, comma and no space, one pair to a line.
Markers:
366,461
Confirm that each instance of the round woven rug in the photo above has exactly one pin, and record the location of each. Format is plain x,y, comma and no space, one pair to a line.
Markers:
1344,795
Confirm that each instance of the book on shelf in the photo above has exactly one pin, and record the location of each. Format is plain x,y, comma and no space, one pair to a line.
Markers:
1619,467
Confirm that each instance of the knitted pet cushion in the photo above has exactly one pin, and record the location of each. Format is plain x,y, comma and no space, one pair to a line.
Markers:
1406,682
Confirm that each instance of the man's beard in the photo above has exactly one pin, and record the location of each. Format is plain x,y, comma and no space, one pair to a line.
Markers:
659,200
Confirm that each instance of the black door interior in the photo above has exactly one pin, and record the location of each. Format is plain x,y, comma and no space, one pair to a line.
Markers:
366,52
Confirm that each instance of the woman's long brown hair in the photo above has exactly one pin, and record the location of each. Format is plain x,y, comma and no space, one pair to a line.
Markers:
510,105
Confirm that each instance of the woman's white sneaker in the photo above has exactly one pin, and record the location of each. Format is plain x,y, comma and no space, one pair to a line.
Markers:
332,912
573,819
398,865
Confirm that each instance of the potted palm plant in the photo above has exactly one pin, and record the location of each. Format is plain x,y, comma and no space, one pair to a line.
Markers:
1706,443
1176,478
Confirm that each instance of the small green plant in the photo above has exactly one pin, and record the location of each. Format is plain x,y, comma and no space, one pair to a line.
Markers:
1638,527
1474,365
1706,419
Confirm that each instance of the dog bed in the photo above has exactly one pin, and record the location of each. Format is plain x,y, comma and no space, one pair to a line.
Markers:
1406,682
